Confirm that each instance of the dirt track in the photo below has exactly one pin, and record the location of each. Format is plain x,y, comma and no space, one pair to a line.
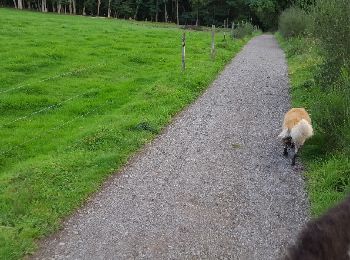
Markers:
214,185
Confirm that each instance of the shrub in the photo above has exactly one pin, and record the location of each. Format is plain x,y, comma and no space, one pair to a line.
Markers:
293,22
332,115
242,30
331,19
330,26
320,74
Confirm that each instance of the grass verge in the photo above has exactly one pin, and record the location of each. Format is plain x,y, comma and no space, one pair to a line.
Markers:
78,96
328,164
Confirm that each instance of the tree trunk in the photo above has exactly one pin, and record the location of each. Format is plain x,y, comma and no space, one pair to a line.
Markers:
197,20
84,13
98,7
15,4
28,5
177,12
70,6
165,13
74,7
156,11
20,4
59,6
109,9
136,11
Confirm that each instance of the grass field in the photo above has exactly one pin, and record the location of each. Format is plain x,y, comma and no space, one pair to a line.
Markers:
328,167
78,96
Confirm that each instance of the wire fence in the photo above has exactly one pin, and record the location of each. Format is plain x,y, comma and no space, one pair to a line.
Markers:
46,108
70,99
54,129
61,75
51,107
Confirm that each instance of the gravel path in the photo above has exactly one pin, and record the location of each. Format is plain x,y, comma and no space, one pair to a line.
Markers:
214,185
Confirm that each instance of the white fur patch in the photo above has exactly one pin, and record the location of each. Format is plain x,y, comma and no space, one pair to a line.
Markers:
284,134
302,131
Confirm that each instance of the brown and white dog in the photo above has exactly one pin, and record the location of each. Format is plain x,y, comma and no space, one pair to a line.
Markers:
295,130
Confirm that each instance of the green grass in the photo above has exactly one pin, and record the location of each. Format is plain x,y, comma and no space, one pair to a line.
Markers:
327,162
78,96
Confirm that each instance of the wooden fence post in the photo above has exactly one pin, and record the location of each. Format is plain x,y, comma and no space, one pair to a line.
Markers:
183,50
213,41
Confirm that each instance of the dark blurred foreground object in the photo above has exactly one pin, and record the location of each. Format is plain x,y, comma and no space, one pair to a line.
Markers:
325,238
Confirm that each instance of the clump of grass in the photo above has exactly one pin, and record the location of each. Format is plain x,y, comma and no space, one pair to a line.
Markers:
328,182
76,101
144,126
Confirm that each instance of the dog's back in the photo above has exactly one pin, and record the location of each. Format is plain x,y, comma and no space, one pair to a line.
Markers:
294,116
296,129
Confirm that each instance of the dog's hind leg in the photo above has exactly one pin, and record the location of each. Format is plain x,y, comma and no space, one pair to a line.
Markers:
296,149
287,141
285,150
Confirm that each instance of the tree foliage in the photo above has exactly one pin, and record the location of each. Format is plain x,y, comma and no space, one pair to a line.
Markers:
193,12
293,22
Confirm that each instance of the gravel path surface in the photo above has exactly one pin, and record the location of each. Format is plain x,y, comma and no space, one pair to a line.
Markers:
214,185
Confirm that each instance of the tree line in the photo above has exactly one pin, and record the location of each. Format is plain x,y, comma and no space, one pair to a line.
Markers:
190,12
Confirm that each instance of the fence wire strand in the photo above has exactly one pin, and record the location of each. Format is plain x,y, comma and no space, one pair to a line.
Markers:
46,108
73,72
52,130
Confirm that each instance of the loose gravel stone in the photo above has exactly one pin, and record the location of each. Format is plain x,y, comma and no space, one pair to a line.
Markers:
213,185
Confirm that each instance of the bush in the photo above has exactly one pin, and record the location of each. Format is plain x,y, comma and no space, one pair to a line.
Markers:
331,20
242,30
320,75
293,22
330,26
332,115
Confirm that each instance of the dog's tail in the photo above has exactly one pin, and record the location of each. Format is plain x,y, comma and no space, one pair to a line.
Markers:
284,134
301,131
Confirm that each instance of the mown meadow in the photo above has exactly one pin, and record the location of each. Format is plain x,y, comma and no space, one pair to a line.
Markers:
79,96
